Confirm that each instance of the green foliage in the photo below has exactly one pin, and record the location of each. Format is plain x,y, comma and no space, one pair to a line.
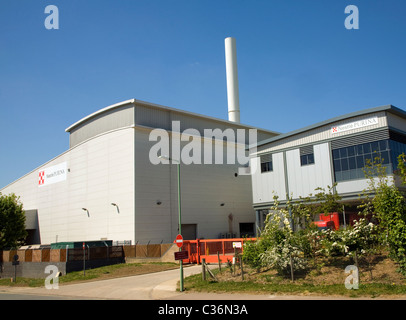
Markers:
389,209
251,253
289,236
278,246
402,167
303,211
12,222
328,201
362,237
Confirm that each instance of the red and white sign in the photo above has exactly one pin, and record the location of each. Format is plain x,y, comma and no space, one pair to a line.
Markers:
41,179
355,125
179,240
52,174
237,245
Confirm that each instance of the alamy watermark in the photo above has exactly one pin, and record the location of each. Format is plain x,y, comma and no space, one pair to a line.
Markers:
352,20
52,281
52,20
199,149
352,281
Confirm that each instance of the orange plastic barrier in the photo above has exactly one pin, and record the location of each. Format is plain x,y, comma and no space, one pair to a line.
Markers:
213,249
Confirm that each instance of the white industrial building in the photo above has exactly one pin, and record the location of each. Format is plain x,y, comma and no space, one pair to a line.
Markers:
105,185
332,151
115,181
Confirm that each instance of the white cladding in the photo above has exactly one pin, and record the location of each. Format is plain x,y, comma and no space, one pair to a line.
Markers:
266,185
50,175
204,187
303,180
108,162
290,177
99,172
325,133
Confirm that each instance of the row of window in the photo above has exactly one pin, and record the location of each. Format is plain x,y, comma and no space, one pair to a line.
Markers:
306,158
349,162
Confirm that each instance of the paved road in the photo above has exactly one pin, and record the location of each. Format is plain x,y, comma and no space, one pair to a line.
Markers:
154,286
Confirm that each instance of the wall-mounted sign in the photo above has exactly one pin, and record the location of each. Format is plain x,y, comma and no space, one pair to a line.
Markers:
354,125
52,174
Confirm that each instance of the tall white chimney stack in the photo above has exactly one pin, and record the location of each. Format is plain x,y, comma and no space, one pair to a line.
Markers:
232,80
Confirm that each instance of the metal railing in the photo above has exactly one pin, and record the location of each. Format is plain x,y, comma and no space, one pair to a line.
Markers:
213,250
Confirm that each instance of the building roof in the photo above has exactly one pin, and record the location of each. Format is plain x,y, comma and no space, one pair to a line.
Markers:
387,108
156,106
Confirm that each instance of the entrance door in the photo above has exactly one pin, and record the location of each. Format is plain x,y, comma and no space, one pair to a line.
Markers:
247,230
189,231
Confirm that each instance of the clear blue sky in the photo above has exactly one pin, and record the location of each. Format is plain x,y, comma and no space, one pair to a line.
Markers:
297,64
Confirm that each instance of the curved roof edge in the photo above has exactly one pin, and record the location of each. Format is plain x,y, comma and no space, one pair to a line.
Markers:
94,114
153,105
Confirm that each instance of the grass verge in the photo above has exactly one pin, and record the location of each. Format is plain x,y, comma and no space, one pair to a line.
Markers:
372,290
102,273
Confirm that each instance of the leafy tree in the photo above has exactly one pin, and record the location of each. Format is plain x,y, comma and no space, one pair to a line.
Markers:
402,167
329,201
12,222
390,209
279,246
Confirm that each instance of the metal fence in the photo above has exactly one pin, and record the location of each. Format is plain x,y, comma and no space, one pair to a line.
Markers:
95,253
89,253
213,250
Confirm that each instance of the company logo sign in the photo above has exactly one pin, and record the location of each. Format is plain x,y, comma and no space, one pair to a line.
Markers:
354,125
52,174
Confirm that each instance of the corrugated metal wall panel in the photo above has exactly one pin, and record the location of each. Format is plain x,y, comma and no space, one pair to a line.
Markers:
303,180
203,187
112,119
323,133
266,185
361,138
396,122
152,117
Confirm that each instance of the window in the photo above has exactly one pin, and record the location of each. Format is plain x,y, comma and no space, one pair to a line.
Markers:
397,146
306,155
348,162
266,163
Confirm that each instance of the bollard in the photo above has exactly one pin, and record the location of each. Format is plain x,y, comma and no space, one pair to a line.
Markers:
242,270
291,267
204,269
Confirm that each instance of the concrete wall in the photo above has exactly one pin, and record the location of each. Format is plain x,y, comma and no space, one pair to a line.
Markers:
34,270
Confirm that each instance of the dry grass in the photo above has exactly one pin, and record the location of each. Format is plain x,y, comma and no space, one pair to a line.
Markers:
380,269
326,277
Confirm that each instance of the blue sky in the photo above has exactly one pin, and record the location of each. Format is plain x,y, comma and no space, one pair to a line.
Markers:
297,64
